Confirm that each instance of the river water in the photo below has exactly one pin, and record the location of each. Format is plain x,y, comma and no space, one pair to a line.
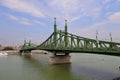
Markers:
83,67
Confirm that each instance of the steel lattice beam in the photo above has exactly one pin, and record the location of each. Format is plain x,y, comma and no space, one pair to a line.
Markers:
62,41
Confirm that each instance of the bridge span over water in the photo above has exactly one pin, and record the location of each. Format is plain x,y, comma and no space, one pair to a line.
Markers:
62,42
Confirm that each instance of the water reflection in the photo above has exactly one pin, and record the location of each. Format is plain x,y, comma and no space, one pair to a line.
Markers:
62,72
83,67
54,72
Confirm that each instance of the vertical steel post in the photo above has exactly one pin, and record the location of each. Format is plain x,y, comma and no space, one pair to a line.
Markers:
110,37
55,33
78,42
66,41
24,42
29,42
71,41
110,40
60,38
85,43
97,39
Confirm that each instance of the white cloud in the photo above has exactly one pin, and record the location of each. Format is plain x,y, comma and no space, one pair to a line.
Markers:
90,8
63,9
38,22
115,18
105,27
106,1
74,9
74,18
20,20
25,21
66,6
96,12
112,19
118,0
23,6
12,17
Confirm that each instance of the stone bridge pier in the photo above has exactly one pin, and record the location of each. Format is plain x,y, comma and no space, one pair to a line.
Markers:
60,58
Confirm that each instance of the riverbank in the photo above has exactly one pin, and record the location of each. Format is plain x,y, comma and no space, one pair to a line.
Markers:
12,52
39,52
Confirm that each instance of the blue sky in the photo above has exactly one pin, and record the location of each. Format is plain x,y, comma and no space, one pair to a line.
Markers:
33,19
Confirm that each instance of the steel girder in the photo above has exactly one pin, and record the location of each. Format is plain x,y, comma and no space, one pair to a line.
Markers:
59,41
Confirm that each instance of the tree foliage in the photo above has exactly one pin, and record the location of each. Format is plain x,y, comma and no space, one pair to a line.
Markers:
8,48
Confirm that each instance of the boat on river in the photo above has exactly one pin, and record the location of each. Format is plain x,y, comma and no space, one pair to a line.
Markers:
3,53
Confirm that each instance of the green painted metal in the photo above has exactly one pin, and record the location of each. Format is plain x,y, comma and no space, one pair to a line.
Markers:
64,42
55,32
66,39
110,37
27,46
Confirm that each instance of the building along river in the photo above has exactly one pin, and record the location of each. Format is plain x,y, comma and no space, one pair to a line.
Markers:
83,67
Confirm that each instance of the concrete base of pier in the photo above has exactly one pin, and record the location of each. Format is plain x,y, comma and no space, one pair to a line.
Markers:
60,59
12,52
25,54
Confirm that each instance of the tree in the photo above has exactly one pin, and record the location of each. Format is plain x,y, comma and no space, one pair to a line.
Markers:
0,47
8,48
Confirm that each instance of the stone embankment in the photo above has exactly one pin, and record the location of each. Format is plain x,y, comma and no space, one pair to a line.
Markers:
12,52
39,52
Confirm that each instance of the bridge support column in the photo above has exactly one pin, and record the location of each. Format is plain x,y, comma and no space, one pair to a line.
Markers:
26,53
60,59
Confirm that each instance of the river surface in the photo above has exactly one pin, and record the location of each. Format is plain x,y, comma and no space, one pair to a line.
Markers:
83,67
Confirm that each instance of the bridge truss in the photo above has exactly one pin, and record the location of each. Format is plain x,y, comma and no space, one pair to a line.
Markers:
64,42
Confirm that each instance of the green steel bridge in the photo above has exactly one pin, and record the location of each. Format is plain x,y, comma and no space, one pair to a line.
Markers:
63,42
